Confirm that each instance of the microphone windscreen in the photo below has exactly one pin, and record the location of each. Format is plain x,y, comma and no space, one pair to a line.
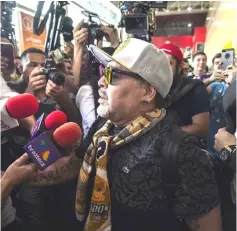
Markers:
67,135
22,106
55,119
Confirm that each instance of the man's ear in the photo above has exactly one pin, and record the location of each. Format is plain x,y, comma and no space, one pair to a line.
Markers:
20,68
150,93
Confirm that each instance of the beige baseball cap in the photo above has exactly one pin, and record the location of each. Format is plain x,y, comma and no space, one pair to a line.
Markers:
142,58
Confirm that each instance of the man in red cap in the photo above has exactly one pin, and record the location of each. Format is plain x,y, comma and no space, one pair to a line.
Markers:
189,97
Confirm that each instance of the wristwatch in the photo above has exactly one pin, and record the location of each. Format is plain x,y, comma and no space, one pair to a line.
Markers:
227,152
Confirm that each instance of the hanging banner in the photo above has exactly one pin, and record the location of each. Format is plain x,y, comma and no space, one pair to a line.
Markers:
27,37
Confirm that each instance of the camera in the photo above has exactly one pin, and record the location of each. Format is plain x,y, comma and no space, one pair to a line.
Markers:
52,73
227,55
135,17
67,29
94,29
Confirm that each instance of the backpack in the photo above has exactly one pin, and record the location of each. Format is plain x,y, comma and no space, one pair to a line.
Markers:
169,173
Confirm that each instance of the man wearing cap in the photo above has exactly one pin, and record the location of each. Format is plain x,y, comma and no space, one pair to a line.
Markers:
119,180
192,108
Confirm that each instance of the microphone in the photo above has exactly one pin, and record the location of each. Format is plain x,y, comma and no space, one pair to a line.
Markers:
67,135
54,120
16,108
49,146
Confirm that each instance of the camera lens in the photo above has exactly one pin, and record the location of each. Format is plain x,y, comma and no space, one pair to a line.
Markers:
227,56
97,33
56,77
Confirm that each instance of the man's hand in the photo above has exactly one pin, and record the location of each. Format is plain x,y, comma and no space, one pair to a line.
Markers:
217,76
230,73
19,170
112,35
58,93
80,35
223,139
37,80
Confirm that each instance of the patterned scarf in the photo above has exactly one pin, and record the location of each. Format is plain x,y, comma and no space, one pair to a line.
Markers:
99,218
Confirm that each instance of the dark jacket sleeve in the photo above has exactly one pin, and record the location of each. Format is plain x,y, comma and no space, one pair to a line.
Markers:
197,193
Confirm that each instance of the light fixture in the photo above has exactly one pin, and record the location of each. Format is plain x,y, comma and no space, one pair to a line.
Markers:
189,9
167,10
179,9
189,25
208,18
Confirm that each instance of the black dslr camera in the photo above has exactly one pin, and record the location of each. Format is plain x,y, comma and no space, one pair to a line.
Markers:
52,73
94,29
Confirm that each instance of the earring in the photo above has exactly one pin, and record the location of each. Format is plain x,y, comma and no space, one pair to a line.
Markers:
144,101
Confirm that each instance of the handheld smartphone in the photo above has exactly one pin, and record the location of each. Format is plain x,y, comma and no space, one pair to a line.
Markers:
227,57
8,52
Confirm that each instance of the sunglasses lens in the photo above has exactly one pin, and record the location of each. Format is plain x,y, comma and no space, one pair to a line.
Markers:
107,74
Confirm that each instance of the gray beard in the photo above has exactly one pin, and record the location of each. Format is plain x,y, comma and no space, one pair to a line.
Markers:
103,110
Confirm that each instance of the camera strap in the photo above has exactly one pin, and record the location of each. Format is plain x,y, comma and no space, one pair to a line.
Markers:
38,29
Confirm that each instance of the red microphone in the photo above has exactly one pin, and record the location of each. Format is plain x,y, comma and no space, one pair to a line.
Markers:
16,108
55,120
50,122
67,135
22,106
49,146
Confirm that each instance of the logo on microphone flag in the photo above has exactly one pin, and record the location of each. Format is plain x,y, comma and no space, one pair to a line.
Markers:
42,150
45,153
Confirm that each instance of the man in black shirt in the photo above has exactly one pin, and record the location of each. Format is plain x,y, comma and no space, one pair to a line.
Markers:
192,107
120,185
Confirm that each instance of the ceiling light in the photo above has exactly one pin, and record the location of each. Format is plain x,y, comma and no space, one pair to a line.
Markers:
208,18
211,8
189,25
167,10
189,9
179,9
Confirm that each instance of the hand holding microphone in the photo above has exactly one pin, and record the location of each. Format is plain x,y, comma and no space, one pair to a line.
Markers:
17,172
49,146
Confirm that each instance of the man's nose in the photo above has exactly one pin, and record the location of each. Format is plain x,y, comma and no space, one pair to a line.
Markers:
102,83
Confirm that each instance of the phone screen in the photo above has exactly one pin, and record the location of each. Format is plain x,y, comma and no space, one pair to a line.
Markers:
227,57
7,52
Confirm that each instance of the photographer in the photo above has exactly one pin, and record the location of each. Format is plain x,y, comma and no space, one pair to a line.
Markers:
87,96
36,204
34,81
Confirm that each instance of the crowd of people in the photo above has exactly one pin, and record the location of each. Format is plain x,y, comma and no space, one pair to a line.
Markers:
156,153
